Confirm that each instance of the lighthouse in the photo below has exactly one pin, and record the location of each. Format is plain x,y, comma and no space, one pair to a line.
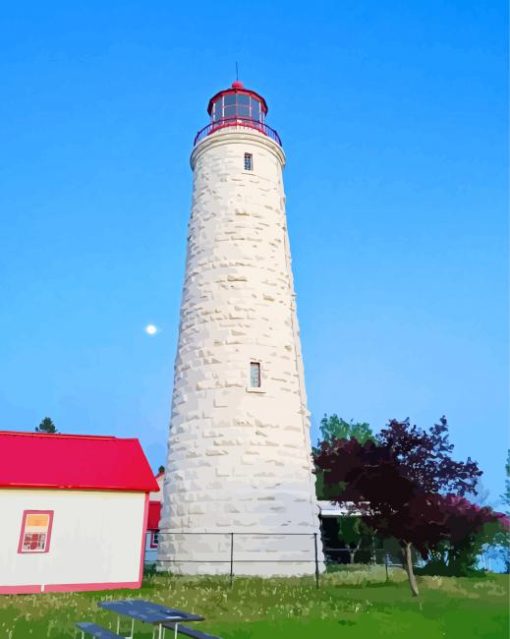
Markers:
239,485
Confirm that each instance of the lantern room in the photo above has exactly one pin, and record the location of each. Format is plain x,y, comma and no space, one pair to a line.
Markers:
237,107
237,103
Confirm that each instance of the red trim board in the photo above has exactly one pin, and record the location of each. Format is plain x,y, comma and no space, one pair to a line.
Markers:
34,589
144,535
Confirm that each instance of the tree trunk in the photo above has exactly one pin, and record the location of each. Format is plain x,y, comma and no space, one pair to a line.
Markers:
353,551
408,560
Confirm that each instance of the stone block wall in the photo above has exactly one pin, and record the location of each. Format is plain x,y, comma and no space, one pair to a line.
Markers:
239,457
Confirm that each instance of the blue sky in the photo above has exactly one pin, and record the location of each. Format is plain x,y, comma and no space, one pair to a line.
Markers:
393,118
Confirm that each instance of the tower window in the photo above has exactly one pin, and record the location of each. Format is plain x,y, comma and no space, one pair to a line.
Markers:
255,377
248,162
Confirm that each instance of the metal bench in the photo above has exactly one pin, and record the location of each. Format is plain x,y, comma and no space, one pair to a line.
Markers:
189,632
88,628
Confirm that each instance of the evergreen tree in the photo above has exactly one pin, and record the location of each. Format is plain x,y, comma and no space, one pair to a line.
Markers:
46,426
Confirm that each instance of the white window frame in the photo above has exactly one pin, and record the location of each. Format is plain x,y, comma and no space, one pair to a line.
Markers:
249,387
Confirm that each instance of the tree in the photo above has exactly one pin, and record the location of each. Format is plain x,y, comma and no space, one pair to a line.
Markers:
399,482
331,428
466,528
46,426
505,497
495,540
497,537
354,531
334,427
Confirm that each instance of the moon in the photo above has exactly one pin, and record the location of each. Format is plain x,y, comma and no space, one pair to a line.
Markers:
151,329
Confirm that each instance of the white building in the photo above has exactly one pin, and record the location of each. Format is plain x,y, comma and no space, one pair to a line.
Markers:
239,448
74,512
152,536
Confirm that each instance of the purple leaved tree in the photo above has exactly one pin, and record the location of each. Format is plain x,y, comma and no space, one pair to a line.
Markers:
402,483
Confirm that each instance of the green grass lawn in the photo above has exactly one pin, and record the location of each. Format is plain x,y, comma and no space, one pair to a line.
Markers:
350,604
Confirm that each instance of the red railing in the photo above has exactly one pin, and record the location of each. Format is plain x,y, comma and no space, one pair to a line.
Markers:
212,127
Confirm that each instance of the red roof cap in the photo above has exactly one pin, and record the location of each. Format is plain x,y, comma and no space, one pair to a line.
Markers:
86,462
238,87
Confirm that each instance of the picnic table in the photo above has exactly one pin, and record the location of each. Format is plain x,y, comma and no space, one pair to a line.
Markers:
148,612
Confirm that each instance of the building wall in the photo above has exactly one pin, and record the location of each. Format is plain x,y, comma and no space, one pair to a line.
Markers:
239,458
158,496
96,540
151,553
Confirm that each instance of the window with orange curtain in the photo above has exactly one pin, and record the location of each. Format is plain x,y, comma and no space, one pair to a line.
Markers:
35,531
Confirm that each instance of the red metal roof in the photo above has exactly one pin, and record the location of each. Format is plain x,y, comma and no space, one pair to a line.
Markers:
154,515
238,87
86,462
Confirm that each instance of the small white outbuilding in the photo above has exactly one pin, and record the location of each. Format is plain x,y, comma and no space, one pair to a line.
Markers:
74,512
155,505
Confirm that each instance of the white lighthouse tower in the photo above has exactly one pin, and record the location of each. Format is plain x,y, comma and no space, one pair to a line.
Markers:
239,485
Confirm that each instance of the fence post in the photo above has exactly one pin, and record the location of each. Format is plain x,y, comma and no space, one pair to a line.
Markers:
316,560
386,566
231,558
